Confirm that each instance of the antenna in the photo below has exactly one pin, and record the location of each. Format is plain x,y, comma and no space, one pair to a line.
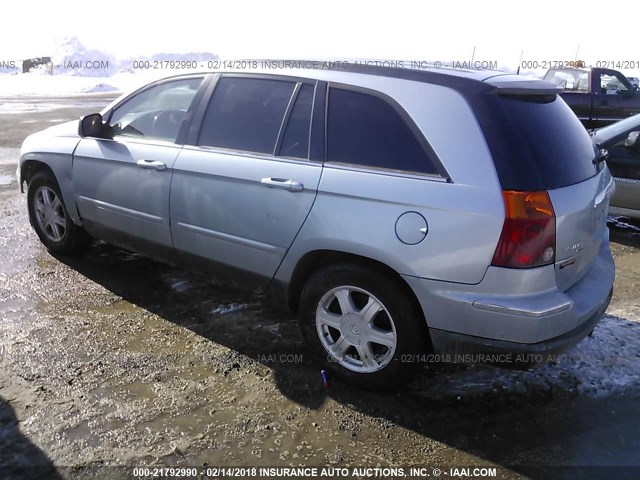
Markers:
520,62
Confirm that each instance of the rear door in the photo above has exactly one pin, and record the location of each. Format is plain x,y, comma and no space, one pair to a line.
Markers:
242,191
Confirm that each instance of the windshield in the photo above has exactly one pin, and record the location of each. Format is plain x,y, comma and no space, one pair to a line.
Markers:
570,80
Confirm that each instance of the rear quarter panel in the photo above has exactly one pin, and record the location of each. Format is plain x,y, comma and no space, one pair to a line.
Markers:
357,209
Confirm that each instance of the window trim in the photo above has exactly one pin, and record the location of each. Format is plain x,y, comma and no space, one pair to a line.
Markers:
318,124
248,154
409,122
285,122
285,119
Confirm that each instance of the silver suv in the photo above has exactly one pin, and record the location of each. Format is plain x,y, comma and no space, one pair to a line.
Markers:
404,215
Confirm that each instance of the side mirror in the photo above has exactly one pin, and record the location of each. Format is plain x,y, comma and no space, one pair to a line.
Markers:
93,126
633,140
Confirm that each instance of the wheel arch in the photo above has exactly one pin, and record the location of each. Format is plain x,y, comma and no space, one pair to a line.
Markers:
31,166
314,260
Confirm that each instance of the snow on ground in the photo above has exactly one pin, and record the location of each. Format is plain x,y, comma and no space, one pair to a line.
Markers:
39,84
608,363
9,156
622,222
229,308
100,88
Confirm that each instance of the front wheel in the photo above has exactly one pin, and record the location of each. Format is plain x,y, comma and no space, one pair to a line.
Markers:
49,217
362,325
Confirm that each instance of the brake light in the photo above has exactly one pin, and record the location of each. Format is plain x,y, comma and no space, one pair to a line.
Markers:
528,237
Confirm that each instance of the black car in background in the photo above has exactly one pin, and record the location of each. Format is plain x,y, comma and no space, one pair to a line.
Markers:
598,96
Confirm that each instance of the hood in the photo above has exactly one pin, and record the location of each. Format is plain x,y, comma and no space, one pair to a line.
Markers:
611,134
61,138
67,129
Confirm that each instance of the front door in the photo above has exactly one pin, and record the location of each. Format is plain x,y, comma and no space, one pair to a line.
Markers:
123,184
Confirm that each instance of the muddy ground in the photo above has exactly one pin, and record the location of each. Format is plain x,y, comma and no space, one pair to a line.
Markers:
109,358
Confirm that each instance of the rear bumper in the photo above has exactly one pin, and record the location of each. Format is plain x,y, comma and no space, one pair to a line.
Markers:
459,348
474,319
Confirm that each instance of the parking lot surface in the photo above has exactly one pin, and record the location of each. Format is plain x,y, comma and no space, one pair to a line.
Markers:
109,358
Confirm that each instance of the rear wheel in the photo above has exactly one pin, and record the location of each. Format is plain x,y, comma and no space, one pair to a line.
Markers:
362,325
49,217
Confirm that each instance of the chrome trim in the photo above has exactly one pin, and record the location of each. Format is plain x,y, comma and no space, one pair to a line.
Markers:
386,171
152,165
531,313
124,139
257,156
282,183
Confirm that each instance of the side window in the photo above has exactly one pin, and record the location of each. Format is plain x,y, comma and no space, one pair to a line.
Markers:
246,114
156,113
611,84
295,142
367,130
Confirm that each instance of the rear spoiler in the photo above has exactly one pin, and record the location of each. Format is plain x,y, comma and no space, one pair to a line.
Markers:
516,85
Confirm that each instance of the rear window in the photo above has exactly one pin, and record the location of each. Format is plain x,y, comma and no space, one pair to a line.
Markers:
537,142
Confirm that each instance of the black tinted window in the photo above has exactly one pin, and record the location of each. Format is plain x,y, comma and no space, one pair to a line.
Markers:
546,146
367,130
295,142
246,114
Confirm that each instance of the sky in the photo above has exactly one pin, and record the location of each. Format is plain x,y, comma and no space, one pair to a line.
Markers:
499,31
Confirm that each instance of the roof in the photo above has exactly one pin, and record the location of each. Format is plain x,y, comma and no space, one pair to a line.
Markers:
433,72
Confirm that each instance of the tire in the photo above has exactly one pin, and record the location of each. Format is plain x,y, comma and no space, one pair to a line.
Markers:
362,326
49,216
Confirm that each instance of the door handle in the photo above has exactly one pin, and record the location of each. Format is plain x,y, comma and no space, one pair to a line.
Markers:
152,165
285,184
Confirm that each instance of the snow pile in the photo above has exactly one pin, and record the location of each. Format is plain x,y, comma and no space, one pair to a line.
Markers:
223,309
72,58
100,88
75,69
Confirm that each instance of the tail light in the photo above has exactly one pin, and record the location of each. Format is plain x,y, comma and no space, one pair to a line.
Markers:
528,237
